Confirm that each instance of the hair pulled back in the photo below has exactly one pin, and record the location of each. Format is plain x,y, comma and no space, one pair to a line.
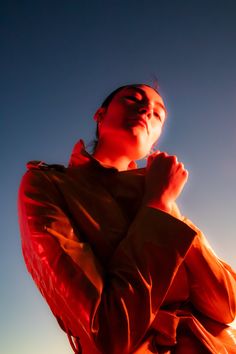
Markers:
108,100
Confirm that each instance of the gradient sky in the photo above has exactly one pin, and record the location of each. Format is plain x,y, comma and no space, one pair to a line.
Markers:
59,59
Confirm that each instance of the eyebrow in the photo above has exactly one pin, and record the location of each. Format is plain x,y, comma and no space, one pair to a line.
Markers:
141,91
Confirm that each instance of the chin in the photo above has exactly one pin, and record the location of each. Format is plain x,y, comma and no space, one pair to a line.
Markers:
134,144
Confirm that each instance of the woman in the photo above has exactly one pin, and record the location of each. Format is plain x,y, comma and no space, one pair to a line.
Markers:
119,266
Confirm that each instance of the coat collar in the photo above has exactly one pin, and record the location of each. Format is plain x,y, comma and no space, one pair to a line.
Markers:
80,156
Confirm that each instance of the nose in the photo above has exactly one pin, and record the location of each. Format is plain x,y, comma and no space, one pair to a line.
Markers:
146,110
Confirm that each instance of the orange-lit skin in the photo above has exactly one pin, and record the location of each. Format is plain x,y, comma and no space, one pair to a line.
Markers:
121,269
122,132
128,128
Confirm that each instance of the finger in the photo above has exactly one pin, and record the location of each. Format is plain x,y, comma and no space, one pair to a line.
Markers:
174,158
149,160
181,165
152,156
161,154
185,175
155,153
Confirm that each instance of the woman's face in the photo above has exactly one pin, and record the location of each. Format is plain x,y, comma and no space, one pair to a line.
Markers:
133,121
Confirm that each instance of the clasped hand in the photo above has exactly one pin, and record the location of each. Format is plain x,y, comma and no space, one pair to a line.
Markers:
165,179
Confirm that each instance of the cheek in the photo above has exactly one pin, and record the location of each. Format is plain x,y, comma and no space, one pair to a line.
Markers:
113,116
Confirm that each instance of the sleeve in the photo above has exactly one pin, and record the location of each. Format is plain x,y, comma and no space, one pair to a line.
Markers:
115,306
212,281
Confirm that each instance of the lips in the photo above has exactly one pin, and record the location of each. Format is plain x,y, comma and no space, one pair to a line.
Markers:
137,121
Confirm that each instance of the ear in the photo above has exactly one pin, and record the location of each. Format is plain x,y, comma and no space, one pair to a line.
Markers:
98,116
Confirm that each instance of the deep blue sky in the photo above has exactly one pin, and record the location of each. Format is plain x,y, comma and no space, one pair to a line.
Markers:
59,59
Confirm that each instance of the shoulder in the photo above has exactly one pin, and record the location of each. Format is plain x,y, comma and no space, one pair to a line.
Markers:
40,175
42,166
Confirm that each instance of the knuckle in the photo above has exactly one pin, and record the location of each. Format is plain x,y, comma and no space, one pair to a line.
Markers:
173,158
161,155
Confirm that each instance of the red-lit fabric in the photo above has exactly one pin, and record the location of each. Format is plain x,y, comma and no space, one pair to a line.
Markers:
122,277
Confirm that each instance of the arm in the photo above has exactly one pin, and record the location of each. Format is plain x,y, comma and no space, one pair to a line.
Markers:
114,306
212,282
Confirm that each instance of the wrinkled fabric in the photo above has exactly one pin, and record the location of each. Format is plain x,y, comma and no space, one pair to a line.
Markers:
122,277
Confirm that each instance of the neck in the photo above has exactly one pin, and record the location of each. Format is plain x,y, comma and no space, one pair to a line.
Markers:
109,155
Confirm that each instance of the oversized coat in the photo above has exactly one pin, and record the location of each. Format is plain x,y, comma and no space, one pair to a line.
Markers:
120,277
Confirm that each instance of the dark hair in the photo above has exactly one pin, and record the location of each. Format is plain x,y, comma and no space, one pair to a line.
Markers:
108,100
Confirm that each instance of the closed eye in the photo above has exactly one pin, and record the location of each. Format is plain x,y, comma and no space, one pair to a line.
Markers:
132,98
157,115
